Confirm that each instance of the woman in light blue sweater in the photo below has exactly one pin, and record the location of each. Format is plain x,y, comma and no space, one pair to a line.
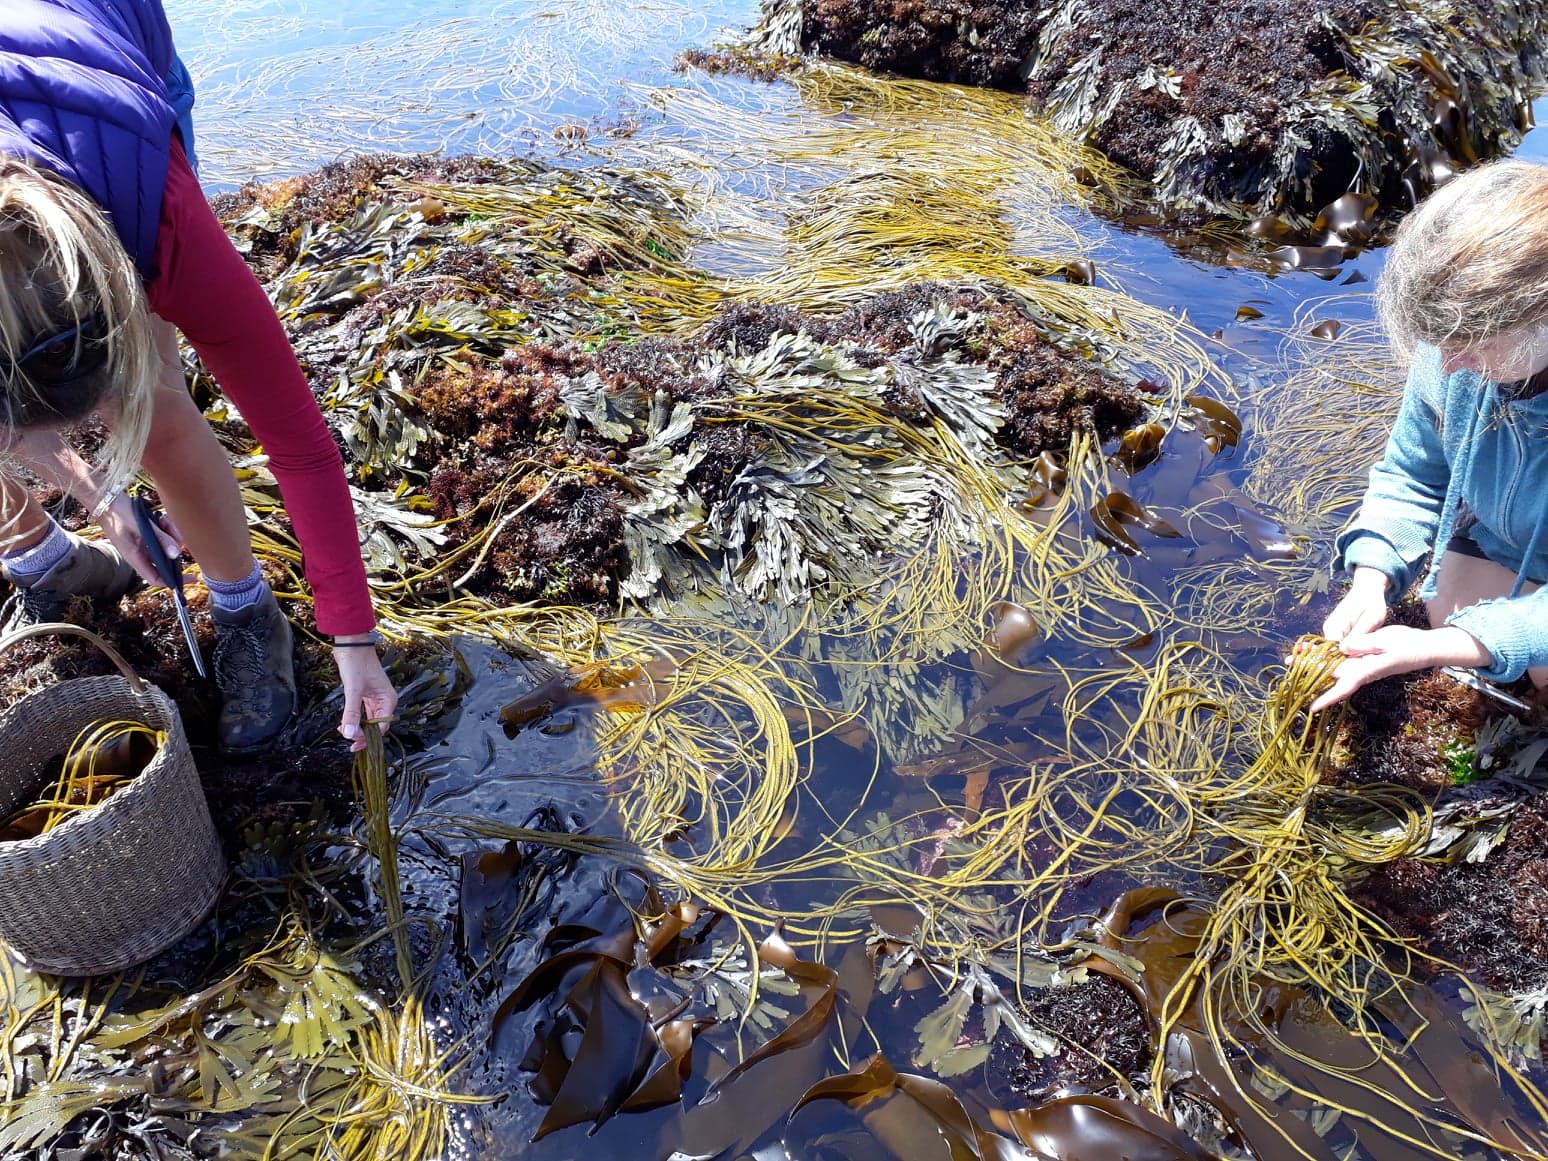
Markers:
1460,496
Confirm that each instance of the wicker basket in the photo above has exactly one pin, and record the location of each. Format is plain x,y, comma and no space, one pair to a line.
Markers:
115,884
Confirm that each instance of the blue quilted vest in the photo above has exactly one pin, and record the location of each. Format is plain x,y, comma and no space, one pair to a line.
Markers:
81,93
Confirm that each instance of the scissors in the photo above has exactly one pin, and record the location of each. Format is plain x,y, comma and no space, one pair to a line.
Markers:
1470,679
167,569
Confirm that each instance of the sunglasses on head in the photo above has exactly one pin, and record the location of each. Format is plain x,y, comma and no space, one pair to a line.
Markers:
62,370
76,350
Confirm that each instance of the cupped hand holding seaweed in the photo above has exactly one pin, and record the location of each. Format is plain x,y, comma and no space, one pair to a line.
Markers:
1394,649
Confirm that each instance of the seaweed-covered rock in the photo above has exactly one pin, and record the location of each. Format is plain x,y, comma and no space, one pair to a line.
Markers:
489,376
1265,106
958,41
586,420
266,219
1489,917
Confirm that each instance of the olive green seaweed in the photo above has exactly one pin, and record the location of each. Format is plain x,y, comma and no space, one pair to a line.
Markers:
901,586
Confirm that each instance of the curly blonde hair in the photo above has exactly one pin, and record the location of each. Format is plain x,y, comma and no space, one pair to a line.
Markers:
63,268
1471,262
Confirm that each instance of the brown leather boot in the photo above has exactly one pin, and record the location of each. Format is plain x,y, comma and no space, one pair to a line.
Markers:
255,672
92,568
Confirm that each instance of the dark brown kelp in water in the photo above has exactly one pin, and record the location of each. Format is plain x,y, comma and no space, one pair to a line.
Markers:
632,1016
1236,109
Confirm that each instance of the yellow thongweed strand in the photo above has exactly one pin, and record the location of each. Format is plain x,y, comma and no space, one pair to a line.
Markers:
369,775
397,1104
79,786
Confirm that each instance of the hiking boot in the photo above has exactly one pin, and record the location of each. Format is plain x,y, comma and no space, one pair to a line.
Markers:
253,668
92,568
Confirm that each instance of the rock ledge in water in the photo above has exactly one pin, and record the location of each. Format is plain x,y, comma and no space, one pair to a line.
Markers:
1260,107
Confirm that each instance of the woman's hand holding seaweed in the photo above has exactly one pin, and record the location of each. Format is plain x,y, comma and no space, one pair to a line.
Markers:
1363,609
1394,649
368,693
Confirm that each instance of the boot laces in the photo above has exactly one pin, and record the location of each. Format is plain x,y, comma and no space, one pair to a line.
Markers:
242,661
31,606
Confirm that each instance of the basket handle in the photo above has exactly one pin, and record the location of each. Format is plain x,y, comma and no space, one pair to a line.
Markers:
138,684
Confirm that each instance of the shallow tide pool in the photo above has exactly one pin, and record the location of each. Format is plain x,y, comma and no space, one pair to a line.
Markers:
287,85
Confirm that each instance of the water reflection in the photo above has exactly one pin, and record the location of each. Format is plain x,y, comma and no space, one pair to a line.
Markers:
286,85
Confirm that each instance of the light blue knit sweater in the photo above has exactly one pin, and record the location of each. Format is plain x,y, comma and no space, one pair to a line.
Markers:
1459,440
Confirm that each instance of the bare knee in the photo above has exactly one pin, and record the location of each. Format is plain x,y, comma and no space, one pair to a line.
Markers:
176,427
1463,581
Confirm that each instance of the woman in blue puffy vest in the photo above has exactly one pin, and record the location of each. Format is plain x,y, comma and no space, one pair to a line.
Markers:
106,245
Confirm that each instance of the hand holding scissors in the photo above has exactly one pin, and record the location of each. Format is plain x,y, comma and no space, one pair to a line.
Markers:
168,570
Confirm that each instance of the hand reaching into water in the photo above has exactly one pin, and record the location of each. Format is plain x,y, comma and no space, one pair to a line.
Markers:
1363,609
368,693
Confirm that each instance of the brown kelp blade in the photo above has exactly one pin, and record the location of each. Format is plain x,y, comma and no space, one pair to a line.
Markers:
1269,541
1317,1053
1139,447
1125,509
614,1054
753,1096
620,688
1116,512
597,1050
1319,259
1013,632
913,1118
1096,1128
1049,471
1220,416
1081,272
1269,226
1347,220
487,877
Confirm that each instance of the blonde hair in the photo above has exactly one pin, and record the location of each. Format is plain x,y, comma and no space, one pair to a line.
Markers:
62,266
1471,262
